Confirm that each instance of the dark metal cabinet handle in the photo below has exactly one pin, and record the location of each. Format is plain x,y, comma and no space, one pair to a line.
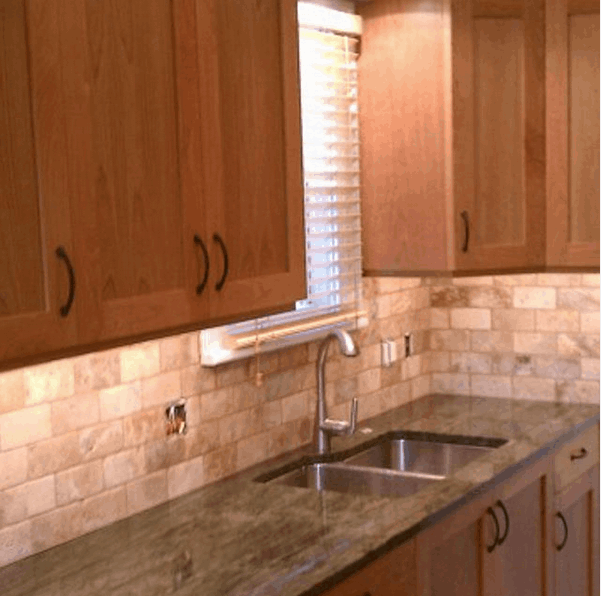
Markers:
582,453
201,286
219,284
466,223
565,525
61,253
496,540
502,507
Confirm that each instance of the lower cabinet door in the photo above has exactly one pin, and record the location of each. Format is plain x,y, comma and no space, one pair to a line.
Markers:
576,537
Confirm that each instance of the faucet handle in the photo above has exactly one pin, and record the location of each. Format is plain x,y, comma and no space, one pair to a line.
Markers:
354,410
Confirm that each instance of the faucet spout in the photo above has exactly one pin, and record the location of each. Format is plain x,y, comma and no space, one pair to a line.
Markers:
325,427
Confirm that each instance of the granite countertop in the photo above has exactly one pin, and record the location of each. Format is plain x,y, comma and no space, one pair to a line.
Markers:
239,537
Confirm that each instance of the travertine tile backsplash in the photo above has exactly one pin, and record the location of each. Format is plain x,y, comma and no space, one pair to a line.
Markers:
83,443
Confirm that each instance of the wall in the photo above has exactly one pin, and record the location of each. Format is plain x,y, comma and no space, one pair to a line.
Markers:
82,440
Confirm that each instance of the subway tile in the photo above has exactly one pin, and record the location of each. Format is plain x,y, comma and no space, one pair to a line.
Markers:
53,455
56,527
582,299
178,351
120,401
534,389
48,382
124,466
529,297
558,320
15,543
97,371
578,345
13,467
24,427
77,412
491,385
578,391
535,343
140,361
589,322
79,482
185,477
160,390
146,492
470,318
491,341
468,362
557,367
453,383
103,509
12,391
197,379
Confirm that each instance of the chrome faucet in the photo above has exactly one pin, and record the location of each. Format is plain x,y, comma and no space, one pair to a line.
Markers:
324,427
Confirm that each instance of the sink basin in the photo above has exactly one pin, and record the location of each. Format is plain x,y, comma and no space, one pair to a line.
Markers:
420,456
343,477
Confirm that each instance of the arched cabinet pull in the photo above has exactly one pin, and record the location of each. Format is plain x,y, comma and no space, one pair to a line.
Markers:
61,253
496,540
219,284
201,286
466,224
582,453
502,507
565,525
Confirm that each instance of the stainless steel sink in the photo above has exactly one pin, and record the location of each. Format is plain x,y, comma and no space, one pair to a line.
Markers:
426,457
342,477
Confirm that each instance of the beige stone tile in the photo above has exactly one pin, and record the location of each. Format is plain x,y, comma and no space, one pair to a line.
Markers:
490,297
101,440
369,380
79,482
384,306
557,320
48,382
124,466
582,299
56,527
589,322
344,389
558,279
439,318
590,279
535,343
12,391
370,356
120,401
40,495
524,279
578,391
163,454
13,467
491,386
140,361
449,297
53,455
371,405
513,364
97,371
449,340
436,362
389,398
197,379
217,404
104,509
15,543
269,363
146,426
470,318
23,427
469,362
388,285
295,406
201,439
232,373
491,341
513,319
146,492
77,412
192,408
453,383
13,506
247,395
221,463
268,415
162,389
534,388
590,368
443,280
402,302
179,351
413,366
485,280
253,450
291,357
420,386
557,367
292,381
533,297
234,426
575,345
185,477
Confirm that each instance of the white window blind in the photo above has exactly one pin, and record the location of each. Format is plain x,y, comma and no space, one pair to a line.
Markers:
330,136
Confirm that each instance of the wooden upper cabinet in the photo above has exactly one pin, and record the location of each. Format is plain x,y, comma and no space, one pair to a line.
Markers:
251,127
34,194
573,132
453,135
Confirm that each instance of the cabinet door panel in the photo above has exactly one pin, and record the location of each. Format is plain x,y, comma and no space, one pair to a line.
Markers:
33,196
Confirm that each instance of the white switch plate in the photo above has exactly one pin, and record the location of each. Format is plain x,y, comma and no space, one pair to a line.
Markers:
388,351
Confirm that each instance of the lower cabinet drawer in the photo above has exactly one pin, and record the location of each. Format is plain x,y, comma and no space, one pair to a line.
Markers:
576,457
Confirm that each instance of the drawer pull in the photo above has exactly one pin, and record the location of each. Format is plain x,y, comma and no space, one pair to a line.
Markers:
565,525
583,453
504,537
491,512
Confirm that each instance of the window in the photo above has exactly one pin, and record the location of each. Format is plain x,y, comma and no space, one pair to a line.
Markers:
328,45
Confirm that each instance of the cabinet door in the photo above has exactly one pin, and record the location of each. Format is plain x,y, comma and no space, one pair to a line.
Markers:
498,66
576,537
34,195
573,132
133,231
251,125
